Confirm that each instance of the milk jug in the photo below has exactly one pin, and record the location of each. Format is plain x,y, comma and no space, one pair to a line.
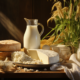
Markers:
31,38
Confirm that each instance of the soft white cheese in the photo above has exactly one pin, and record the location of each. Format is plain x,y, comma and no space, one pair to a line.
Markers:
37,71
17,56
21,57
46,56
35,56
25,69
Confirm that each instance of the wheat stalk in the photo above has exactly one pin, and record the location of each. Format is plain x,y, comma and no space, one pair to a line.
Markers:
70,12
78,12
57,4
61,17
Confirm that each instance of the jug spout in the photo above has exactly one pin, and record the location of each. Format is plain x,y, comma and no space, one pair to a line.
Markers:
31,21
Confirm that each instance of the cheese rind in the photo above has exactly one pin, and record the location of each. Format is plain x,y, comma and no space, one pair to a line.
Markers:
46,56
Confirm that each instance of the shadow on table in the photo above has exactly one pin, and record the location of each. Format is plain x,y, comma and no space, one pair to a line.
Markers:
34,78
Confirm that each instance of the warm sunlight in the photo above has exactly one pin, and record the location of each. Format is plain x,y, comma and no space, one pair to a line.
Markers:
11,28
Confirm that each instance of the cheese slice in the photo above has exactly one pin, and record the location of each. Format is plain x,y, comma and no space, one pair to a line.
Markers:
46,56
10,45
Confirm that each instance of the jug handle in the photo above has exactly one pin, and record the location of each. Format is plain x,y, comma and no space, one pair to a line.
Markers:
42,29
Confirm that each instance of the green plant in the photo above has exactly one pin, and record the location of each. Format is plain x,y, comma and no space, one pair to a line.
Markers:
67,20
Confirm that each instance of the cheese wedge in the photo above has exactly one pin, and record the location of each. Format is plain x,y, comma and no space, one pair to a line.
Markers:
10,45
45,56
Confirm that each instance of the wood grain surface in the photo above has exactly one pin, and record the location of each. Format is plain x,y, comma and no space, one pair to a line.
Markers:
40,74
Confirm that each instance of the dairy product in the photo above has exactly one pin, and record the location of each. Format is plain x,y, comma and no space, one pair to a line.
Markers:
45,56
7,66
4,54
63,50
28,70
31,39
10,45
35,56
21,57
37,71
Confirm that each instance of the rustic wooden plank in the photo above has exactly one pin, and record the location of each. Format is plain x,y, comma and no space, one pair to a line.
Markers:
40,74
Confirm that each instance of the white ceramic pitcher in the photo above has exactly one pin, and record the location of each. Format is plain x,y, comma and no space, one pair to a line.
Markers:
32,37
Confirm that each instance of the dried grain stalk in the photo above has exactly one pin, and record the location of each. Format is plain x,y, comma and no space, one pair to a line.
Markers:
71,10
57,4
59,12
78,12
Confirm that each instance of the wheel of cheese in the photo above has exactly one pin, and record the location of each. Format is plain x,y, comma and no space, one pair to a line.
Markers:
3,55
10,45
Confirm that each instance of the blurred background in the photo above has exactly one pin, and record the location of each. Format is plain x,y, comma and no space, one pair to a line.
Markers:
13,12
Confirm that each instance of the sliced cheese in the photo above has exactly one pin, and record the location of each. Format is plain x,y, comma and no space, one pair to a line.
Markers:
10,45
46,56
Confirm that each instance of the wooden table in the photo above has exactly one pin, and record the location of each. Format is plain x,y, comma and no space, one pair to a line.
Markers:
40,74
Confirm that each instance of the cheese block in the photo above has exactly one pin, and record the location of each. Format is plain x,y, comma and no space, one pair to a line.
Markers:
10,45
45,56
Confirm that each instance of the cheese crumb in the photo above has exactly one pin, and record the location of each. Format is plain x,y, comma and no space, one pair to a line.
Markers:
25,69
31,70
17,71
21,57
28,70
19,68
37,71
